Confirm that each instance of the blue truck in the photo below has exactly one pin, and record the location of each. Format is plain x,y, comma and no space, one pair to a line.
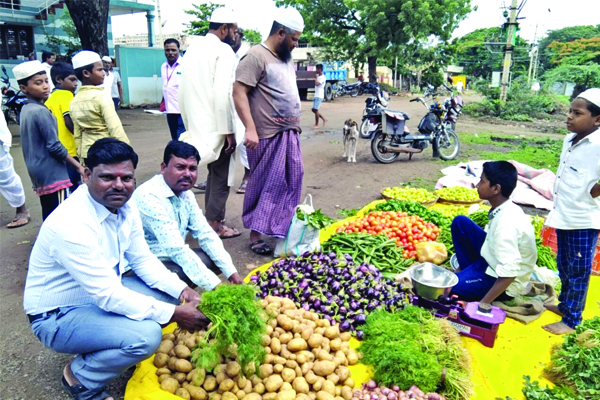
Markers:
333,71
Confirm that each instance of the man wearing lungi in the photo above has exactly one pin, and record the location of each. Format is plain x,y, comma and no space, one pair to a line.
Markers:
267,100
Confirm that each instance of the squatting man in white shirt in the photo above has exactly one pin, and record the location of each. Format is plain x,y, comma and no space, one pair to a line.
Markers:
77,300
496,263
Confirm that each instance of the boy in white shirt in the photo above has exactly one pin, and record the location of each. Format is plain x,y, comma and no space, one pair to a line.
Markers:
576,212
319,95
495,264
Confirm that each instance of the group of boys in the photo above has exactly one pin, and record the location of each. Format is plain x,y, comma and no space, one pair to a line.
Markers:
57,128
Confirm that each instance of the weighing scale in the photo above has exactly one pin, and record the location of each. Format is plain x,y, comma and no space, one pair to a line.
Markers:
466,319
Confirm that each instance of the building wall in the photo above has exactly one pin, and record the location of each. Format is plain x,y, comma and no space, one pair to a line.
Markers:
141,40
140,72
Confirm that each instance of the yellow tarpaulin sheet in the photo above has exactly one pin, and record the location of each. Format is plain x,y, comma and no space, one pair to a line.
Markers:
497,372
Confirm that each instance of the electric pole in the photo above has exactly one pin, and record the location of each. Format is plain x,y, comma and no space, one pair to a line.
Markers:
512,22
160,33
532,57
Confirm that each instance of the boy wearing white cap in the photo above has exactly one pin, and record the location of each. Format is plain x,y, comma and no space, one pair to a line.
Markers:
576,212
93,112
44,154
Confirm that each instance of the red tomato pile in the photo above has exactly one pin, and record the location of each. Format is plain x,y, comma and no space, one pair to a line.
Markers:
399,226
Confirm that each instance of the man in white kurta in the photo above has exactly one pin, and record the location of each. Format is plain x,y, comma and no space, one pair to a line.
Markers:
11,186
240,129
206,104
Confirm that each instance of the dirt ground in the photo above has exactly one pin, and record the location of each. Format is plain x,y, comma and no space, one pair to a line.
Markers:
30,371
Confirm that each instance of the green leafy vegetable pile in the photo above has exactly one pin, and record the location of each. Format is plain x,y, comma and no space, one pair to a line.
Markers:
238,326
576,362
414,208
533,391
411,347
316,219
348,212
378,250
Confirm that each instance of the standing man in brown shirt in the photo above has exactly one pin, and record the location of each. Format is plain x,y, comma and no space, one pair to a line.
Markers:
267,100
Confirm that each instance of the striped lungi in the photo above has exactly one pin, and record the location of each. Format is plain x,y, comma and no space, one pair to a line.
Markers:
275,184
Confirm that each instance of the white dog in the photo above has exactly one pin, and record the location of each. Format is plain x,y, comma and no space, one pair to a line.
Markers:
350,139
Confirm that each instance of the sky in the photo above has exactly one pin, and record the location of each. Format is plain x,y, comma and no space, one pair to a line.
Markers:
257,14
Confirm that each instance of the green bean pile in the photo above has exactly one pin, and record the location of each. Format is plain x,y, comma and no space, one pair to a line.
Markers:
378,250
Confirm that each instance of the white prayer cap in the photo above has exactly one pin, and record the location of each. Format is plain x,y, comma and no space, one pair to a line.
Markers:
107,59
27,69
591,95
85,58
290,18
223,15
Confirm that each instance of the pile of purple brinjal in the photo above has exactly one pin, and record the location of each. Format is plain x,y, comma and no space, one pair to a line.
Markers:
334,288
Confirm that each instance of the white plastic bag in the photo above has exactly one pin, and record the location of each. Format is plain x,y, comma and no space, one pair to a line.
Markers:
545,275
301,237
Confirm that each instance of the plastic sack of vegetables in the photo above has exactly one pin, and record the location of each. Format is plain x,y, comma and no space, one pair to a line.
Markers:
432,252
303,234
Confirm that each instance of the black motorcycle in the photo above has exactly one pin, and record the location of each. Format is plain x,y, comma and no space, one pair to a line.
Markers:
347,88
12,102
394,136
371,119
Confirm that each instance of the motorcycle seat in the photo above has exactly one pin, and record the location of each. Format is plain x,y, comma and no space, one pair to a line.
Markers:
401,115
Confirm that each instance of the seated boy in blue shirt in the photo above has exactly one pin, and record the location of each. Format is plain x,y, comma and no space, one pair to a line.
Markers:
496,263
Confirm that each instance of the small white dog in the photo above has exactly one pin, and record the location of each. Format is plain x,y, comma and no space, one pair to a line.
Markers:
350,139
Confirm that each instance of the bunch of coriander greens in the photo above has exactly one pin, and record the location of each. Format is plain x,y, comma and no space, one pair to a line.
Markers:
237,329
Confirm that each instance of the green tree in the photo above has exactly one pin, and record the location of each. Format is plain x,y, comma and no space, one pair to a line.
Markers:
57,44
470,51
564,35
252,36
583,76
202,12
371,28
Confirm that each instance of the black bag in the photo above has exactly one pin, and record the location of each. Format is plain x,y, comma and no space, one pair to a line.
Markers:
428,123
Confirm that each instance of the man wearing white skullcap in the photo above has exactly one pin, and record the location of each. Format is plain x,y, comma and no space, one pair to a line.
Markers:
268,103
206,105
92,110
576,212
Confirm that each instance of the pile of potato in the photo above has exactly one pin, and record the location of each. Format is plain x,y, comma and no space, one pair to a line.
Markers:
307,359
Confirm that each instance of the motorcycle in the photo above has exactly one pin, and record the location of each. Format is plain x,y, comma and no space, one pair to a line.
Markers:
368,88
394,137
12,102
371,119
348,88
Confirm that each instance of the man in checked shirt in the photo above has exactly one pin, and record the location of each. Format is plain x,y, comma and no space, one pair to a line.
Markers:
169,211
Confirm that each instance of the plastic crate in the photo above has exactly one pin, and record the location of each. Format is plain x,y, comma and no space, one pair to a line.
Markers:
549,239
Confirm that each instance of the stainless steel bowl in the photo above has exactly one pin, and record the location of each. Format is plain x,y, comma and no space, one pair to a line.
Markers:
430,281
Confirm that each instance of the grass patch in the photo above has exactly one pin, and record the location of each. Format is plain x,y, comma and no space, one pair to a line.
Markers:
535,152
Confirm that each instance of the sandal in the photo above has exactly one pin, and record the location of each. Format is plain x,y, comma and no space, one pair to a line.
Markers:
201,187
20,220
223,234
80,392
242,188
263,250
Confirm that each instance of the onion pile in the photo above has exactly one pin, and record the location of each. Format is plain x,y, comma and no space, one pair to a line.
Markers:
334,288
370,391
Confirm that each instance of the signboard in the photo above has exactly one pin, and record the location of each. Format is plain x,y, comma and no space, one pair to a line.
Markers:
496,78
